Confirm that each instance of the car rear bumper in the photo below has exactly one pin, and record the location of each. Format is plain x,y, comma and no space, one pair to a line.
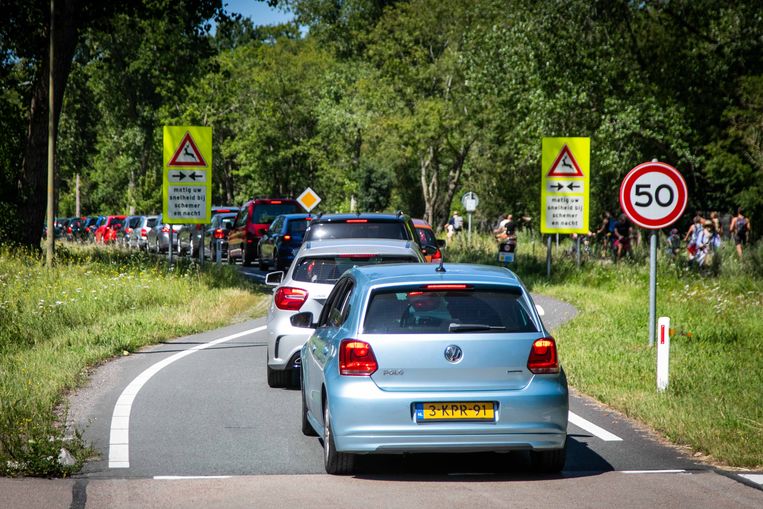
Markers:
368,420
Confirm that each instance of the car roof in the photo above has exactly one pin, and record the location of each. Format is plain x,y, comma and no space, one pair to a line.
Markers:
356,246
420,223
295,216
375,275
377,216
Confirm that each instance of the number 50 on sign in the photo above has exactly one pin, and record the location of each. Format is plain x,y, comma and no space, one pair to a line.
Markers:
653,195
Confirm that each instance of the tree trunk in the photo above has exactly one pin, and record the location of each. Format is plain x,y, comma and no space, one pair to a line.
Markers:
32,183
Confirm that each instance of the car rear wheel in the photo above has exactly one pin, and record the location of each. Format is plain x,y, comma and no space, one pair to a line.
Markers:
549,462
307,428
262,264
335,462
277,377
246,259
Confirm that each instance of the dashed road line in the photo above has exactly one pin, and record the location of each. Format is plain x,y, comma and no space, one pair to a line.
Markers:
119,438
593,428
668,471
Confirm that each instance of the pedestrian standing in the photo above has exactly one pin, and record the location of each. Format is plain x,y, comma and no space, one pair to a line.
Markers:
623,232
740,229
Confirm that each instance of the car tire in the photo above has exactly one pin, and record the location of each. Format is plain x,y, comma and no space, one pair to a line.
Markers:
277,377
246,260
262,264
335,462
307,428
549,462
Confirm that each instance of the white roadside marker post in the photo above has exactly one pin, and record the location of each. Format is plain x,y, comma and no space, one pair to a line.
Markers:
663,352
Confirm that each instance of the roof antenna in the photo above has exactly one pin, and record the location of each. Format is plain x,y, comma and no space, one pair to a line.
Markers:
440,267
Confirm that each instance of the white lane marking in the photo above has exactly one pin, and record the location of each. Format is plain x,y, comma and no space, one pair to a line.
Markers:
593,429
756,478
119,445
675,471
183,477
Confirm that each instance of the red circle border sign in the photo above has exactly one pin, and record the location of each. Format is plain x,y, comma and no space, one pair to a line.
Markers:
673,215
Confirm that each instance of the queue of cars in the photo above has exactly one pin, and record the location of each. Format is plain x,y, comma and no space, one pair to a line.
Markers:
395,355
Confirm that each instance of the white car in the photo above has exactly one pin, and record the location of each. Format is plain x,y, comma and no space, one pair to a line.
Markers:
305,286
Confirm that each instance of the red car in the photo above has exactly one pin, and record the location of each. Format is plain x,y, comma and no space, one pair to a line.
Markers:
107,232
252,222
427,238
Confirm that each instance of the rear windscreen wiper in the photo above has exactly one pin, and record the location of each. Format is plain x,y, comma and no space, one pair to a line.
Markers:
469,327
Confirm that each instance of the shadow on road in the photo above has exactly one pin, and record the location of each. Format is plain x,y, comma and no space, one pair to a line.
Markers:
477,467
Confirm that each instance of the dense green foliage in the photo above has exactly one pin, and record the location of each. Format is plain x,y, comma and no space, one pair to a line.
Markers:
97,303
712,403
406,104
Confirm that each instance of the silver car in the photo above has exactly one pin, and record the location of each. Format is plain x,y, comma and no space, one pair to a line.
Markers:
139,237
316,267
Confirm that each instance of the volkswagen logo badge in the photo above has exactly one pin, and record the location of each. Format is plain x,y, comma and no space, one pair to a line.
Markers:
453,353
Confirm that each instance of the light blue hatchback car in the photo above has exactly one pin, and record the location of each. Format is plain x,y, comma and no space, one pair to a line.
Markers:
411,358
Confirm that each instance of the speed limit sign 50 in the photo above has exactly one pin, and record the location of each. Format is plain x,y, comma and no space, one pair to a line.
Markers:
653,195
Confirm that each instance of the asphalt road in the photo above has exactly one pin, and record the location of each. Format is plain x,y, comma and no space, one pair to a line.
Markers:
205,430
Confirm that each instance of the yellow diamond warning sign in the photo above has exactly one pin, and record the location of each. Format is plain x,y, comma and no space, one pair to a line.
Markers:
308,199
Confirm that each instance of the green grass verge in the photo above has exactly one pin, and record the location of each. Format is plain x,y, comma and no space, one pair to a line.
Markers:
714,402
95,304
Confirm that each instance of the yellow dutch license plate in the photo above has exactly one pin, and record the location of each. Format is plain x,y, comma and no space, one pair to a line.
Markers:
455,411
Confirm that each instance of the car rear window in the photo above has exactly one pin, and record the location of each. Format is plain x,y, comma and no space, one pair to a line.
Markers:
298,226
267,212
367,230
327,269
460,311
426,237
151,221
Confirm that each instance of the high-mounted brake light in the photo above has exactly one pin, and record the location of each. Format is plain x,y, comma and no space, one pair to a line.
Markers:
275,202
447,287
357,221
363,256
356,358
543,359
290,299
220,211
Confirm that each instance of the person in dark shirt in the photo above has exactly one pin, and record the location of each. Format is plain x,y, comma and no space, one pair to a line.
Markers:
622,232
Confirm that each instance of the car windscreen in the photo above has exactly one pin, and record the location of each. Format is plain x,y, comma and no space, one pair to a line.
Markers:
415,311
426,237
366,230
267,212
327,269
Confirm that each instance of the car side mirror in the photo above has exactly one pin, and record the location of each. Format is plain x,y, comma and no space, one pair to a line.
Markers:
274,278
303,320
429,250
440,242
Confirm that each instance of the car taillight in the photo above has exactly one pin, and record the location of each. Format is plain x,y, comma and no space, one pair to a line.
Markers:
165,229
543,359
128,230
290,299
437,255
69,230
143,232
356,358
287,237
219,233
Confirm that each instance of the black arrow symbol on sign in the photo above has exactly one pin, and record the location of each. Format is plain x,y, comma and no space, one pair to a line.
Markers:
572,186
194,176
179,175
558,186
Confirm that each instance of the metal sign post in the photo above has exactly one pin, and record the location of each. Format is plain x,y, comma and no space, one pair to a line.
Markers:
653,195
470,201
